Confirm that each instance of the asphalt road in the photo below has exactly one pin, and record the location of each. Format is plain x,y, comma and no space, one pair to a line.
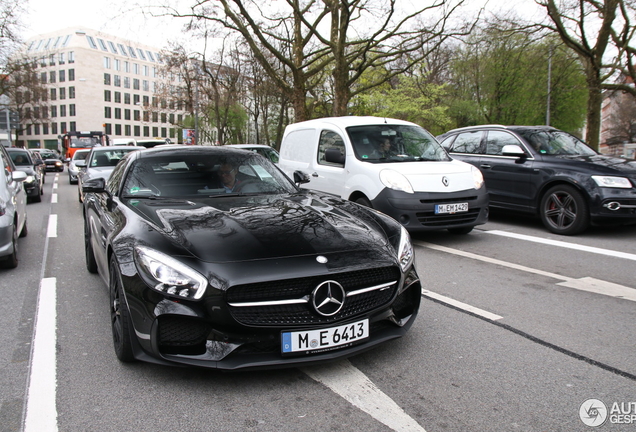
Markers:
518,330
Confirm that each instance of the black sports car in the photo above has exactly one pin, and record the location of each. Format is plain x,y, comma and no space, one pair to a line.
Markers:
214,258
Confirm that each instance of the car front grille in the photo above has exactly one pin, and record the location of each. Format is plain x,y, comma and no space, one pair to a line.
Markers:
430,219
182,331
283,315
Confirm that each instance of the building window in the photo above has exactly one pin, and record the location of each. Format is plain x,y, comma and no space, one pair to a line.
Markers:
146,85
108,128
155,116
122,50
71,74
141,54
117,129
126,114
164,118
71,92
117,67
54,128
52,60
60,58
112,47
102,44
137,131
53,94
132,52
146,100
126,82
71,110
127,98
136,68
117,81
146,131
43,77
45,129
62,93
155,132
172,118
91,42
136,115
107,95
28,130
118,113
107,62
73,126
107,112
62,110
146,116
164,133
62,75
52,76
53,110
117,97
106,79
136,99
127,130
71,56
36,129
127,67
146,70
63,127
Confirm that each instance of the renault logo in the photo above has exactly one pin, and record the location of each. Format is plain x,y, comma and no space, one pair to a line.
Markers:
328,298
445,181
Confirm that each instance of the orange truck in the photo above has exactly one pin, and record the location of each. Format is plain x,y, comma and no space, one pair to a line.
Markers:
73,141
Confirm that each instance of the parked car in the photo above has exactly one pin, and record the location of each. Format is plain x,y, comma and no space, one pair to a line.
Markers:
268,275
544,171
123,141
52,159
37,158
268,151
99,163
151,142
13,213
34,182
73,169
391,165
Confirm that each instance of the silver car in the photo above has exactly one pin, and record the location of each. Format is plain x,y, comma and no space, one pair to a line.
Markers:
73,169
13,216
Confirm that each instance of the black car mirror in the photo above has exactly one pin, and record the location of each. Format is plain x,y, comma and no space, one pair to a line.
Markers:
96,185
301,177
334,155
80,163
513,150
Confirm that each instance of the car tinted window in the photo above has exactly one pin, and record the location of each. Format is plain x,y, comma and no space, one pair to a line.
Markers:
21,158
395,143
496,140
555,143
468,142
80,155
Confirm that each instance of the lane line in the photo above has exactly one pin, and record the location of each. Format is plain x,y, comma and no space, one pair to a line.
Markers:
54,198
357,389
563,244
51,230
459,305
41,412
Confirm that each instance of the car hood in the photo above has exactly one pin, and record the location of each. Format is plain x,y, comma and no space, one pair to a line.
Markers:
255,228
604,163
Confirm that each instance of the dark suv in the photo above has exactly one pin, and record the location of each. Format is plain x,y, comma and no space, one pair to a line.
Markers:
542,170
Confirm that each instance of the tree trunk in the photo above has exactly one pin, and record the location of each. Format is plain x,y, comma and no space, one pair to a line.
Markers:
594,104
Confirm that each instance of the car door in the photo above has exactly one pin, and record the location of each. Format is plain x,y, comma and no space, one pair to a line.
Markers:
326,176
466,146
508,178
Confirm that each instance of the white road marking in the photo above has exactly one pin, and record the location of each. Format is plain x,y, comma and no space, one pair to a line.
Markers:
464,306
41,412
583,284
563,244
52,227
54,198
357,389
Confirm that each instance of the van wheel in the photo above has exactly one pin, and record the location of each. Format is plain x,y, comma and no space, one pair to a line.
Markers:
364,202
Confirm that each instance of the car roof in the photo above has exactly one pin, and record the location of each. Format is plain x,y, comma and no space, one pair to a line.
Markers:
347,121
498,126
17,149
100,149
250,146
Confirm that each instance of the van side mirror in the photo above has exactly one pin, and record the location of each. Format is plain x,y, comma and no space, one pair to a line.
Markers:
300,177
334,155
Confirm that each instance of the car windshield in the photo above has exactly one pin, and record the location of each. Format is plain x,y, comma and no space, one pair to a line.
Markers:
80,155
395,143
84,142
108,157
214,175
21,159
48,155
556,143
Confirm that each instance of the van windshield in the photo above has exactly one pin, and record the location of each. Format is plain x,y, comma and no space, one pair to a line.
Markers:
395,143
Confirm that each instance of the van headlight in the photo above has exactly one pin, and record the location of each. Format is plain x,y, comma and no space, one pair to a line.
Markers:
405,250
169,276
395,180
612,182
478,177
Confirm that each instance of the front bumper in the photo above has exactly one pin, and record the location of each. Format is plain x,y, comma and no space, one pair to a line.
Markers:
210,334
416,212
613,206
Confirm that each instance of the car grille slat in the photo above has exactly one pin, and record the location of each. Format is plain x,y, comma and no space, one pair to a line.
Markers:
303,314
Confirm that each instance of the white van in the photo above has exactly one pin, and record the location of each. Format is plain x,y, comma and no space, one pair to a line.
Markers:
393,166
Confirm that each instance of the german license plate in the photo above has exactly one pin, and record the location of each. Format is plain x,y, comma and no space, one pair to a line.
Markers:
314,341
451,208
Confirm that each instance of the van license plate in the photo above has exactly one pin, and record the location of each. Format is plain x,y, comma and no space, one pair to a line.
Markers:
451,208
314,341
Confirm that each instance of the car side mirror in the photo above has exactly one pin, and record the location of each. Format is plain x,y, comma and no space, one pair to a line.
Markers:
300,177
513,150
18,176
334,155
80,163
96,185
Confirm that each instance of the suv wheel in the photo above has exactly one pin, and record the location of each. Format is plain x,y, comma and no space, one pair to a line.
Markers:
564,210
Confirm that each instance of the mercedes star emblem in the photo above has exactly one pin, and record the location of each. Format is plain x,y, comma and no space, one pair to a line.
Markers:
328,298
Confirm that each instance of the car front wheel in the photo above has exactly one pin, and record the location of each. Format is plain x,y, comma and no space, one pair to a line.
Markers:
12,260
564,210
119,315
91,263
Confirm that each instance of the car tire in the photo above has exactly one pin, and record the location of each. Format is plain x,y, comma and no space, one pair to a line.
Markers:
364,202
460,231
38,197
119,316
564,211
11,261
91,263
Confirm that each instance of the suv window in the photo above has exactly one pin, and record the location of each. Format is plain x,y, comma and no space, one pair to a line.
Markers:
468,142
496,140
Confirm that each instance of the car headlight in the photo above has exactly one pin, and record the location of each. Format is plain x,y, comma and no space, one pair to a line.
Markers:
172,277
405,250
58,163
29,179
478,177
612,182
395,180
